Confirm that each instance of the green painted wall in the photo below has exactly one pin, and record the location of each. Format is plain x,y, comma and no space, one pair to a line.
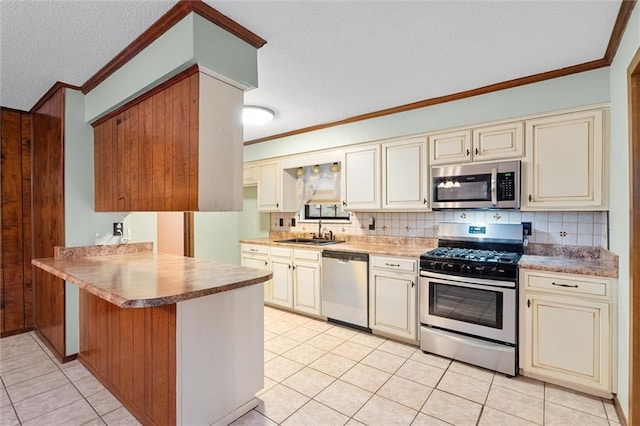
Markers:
619,193
251,222
81,222
190,41
216,236
571,91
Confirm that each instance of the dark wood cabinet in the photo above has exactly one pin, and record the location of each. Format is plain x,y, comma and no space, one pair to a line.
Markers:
178,147
16,296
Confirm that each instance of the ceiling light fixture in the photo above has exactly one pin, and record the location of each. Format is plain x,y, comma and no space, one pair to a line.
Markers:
256,115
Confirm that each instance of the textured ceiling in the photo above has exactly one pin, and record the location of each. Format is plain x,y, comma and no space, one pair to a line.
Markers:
324,60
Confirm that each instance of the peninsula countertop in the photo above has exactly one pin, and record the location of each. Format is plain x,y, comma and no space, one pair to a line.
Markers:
144,279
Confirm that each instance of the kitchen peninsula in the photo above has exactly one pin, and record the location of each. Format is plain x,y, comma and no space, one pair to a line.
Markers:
178,340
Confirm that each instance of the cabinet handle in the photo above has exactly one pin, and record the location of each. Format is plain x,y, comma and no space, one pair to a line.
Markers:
396,265
294,267
468,152
344,204
528,303
424,201
530,198
253,250
477,152
565,285
277,205
266,263
289,266
413,284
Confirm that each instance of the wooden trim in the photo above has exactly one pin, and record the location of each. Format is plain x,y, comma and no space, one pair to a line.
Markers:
188,239
57,85
19,111
62,359
146,95
14,332
586,66
624,14
619,411
633,83
161,26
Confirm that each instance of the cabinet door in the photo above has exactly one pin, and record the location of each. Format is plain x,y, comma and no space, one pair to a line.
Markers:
565,166
392,304
405,174
450,147
258,263
249,175
568,339
362,178
269,186
306,278
498,141
282,282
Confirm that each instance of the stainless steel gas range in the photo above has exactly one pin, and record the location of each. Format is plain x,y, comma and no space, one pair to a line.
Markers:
469,295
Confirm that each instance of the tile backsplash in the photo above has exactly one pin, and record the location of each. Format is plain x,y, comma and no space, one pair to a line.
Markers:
566,227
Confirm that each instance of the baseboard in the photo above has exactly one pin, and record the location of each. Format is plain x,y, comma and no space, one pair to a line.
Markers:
619,411
61,358
14,332
237,413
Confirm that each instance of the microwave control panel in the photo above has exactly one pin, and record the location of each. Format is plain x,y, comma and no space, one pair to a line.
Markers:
506,186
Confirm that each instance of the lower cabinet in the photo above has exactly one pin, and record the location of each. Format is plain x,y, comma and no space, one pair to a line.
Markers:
257,257
393,291
567,330
296,276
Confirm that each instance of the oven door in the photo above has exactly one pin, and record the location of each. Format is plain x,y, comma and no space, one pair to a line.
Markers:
478,307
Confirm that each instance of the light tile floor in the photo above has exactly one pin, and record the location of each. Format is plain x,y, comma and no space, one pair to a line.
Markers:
37,390
315,374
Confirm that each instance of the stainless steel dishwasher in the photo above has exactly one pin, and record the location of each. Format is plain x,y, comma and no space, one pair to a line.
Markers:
345,288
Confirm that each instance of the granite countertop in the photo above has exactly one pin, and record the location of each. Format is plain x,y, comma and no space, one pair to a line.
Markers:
136,279
592,261
390,246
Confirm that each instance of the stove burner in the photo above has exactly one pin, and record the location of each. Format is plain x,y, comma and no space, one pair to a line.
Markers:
472,254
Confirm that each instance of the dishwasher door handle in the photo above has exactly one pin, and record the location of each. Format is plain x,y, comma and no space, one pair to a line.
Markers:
343,261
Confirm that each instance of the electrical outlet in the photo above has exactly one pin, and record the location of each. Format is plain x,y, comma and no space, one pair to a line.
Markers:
293,221
281,222
526,228
118,229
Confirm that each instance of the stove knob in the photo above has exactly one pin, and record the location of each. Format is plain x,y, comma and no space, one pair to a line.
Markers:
493,271
479,270
451,267
434,265
465,269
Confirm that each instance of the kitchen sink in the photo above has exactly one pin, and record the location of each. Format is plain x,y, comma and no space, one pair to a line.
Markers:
310,241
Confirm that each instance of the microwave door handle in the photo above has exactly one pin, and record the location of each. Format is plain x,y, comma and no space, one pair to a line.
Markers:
494,184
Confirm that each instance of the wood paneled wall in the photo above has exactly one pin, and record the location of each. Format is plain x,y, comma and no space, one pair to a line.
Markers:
133,353
16,313
146,157
48,217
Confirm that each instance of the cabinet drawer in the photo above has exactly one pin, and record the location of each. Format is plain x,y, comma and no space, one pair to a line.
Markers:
280,252
306,254
570,284
394,263
263,250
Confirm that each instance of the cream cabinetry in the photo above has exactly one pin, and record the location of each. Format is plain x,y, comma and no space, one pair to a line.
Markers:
249,174
565,167
568,330
282,282
254,256
296,277
361,174
306,281
276,188
393,292
490,142
405,174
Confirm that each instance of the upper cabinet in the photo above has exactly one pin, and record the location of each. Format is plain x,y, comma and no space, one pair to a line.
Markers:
176,149
492,142
405,174
565,167
361,172
249,174
276,188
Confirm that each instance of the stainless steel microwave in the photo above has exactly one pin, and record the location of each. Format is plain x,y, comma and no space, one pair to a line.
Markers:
476,186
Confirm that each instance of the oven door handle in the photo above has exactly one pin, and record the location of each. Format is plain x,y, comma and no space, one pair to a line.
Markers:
494,186
467,282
